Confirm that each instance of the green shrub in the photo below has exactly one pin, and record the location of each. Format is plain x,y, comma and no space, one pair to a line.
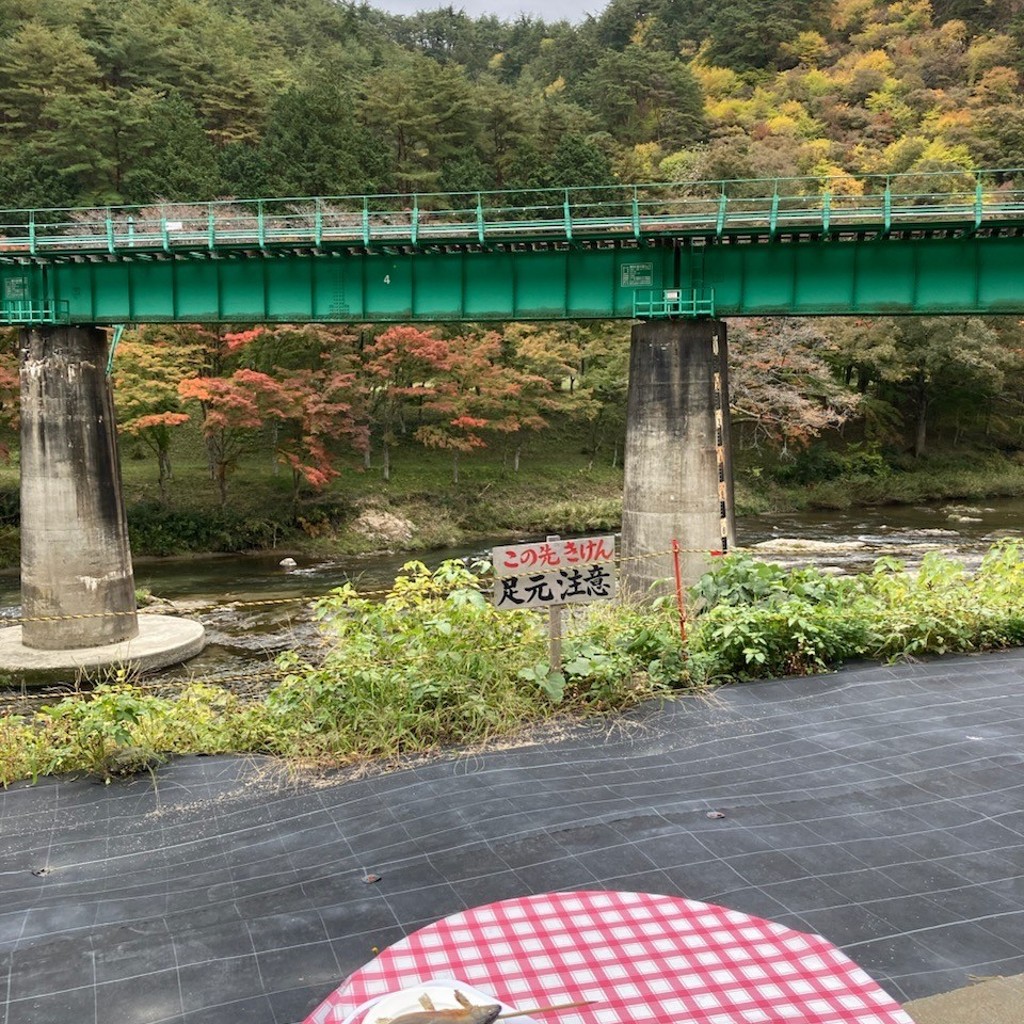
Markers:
819,463
943,607
792,636
121,729
809,465
739,579
104,735
24,750
158,529
435,663
756,619
864,459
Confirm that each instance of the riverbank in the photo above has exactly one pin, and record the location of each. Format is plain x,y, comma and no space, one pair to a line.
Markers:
944,477
431,664
559,488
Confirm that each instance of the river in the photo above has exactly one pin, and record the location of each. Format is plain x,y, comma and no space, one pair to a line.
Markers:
220,590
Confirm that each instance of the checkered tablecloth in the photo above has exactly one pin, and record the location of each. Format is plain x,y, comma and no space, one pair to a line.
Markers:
638,956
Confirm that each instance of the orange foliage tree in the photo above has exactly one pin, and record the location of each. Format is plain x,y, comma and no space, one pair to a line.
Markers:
308,407
479,392
150,364
400,371
233,406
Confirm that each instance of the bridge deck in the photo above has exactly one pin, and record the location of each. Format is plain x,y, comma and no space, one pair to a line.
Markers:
708,210
467,234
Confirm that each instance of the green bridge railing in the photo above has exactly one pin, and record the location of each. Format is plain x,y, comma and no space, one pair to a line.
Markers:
672,302
23,313
714,210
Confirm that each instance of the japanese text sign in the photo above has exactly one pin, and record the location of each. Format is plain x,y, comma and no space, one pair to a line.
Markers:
554,572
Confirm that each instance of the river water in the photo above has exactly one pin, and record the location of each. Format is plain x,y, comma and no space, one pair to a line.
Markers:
244,636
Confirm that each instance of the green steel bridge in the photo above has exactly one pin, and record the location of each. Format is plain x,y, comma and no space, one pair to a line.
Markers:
949,242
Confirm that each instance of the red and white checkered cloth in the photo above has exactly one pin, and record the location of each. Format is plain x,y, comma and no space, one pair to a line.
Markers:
638,956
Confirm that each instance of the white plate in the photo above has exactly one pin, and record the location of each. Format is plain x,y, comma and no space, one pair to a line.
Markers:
440,993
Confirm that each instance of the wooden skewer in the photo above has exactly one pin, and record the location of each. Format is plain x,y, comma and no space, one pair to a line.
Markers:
546,1009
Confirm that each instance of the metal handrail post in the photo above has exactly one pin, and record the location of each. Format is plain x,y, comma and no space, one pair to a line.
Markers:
723,201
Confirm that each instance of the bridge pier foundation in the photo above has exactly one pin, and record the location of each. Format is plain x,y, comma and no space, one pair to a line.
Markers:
77,584
678,464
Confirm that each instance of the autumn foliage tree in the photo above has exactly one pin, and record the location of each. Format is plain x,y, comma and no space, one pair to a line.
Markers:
400,372
517,399
316,364
459,406
308,408
480,393
233,406
585,369
324,413
783,389
149,366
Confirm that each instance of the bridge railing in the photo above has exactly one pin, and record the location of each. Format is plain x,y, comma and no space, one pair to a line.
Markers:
825,205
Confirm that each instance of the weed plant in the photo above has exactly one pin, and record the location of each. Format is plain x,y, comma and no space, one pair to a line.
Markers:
436,665
432,665
757,620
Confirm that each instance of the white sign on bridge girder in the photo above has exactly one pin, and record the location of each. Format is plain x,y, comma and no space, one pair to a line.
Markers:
554,572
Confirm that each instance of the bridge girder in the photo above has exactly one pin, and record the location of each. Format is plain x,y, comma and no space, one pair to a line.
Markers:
952,272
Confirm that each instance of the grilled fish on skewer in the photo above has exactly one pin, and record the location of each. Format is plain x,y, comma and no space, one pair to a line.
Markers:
467,1013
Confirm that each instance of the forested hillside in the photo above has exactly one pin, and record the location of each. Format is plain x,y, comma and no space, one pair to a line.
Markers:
109,101
128,101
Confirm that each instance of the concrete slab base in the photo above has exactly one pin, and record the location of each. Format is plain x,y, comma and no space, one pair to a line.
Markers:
995,1001
163,640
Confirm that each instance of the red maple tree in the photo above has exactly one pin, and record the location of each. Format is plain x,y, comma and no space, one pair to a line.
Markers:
401,370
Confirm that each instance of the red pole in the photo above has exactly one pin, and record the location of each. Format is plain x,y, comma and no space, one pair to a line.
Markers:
679,590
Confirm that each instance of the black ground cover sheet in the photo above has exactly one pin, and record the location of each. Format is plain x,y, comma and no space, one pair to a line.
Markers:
880,807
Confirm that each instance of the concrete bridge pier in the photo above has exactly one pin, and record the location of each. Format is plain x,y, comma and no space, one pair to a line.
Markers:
678,462
75,557
77,584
